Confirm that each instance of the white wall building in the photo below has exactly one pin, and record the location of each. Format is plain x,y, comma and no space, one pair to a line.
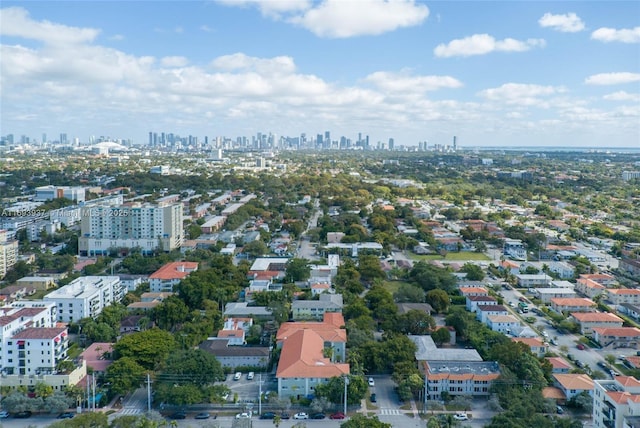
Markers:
8,253
144,226
49,193
616,402
86,297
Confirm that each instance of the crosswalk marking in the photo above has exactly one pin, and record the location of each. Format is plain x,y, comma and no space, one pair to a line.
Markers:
390,412
130,411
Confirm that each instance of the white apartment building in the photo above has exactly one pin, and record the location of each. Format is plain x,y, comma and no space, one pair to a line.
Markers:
515,249
86,297
147,227
616,402
8,253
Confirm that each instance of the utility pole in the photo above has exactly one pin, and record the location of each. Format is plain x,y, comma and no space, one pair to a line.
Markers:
148,393
260,394
93,376
346,382
426,393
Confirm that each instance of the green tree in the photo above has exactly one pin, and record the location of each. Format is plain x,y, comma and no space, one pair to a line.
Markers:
370,268
473,271
147,348
415,322
441,335
438,299
194,366
297,270
409,293
125,375
333,390
362,421
255,249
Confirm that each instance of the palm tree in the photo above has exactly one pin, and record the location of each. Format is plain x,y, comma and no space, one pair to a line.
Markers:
277,420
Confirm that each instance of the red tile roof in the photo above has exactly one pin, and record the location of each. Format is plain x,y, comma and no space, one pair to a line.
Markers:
174,270
302,356
40,333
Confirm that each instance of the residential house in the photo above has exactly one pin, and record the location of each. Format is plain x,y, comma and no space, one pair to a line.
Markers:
589,320
589,287
473,291
505,324
620,337
236,356
559,365
533,280
600,278
315,309
538,347
562,269
169,275
574,304
483,312
243,310
311,354
464,378
573,384
238,324
37,282
618,296
403,308
546,294
98,357
616,402
233,337
148,301
132,324
515,249
132,282
474,301
631,310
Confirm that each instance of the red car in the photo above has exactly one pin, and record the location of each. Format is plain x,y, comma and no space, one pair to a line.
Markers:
580,346
337,415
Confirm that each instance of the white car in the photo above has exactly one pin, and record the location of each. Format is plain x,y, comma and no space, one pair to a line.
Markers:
460,417
371,382
301,415
243,416
4,414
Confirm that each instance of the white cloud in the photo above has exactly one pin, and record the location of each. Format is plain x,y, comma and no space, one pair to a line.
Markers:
482,44
242,62
567,23
403,82
342,19
15,21
626,35
271,8
522,94
622,96
612,78
174,61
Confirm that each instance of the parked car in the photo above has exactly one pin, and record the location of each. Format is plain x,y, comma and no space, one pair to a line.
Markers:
237,376
285,415
4,414
301,415
66,415
203,415
22,415
579,363
373,398
243,416
371,382
560,410
250,376
178,415
580,346
318,415
268,415
460,416
337,415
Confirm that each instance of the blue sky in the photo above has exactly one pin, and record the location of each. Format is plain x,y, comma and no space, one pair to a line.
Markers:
506,73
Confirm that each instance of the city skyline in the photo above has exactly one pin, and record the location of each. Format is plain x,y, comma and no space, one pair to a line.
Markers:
491,73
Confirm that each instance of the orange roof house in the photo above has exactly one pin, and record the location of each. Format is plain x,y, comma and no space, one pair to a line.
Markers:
170,274
312,352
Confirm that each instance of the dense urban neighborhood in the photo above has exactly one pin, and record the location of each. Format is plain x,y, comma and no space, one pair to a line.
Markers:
435,287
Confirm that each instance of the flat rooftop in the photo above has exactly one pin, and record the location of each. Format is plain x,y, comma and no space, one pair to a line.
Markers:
428,351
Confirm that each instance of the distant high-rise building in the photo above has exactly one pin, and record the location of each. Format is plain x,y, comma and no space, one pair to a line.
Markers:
63,138
455,143
44,138
391,143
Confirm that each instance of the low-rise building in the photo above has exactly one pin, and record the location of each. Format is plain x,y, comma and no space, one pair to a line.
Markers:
236,356
621,337
243,310
473,291
533,280
467,378
484,311
573,384
631,310
589,320
315,309
574,304
546,294
618,296
474,301
589,287
37,282
86,297
538,347
505,324
170,275
559,365
616,402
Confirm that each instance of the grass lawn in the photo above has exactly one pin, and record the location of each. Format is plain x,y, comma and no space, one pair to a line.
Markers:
453,256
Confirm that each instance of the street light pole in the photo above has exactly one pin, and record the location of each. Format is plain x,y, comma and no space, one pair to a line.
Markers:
260,394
